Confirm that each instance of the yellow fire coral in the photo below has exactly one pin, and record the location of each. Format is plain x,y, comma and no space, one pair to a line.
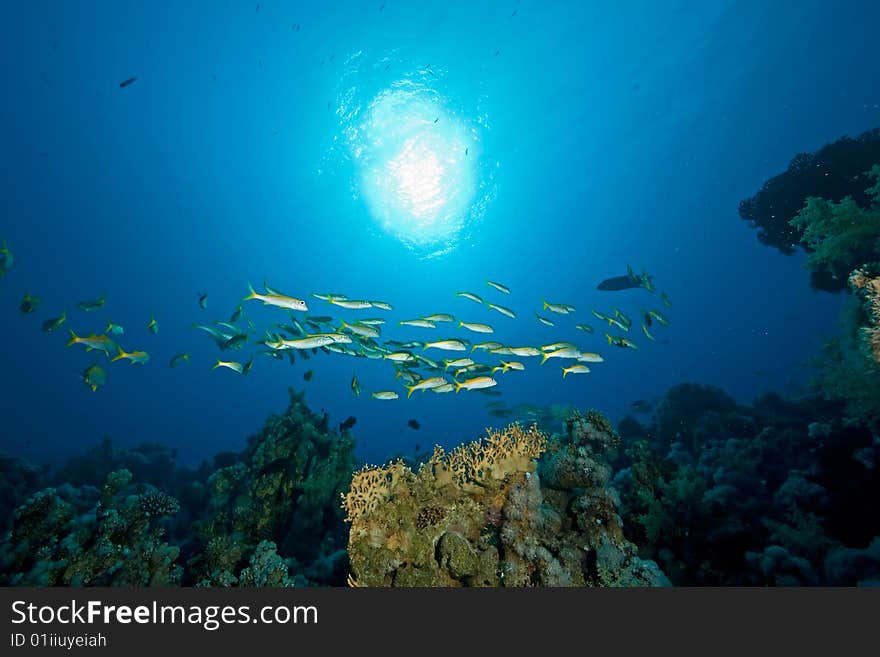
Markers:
370,487
500,453
468,467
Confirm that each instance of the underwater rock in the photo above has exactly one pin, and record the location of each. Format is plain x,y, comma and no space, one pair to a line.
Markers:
479,515
283,488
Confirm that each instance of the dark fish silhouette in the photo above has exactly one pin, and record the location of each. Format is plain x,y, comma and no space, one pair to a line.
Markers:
127,82
348,424
414,424
631,280
308,375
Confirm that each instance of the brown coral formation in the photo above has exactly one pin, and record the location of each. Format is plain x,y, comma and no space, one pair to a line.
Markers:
479,516
867,286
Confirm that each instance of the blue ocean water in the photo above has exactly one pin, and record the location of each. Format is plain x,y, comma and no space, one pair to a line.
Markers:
597,136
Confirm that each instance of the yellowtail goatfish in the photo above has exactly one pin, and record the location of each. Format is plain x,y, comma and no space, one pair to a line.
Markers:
598,315
89,306
469,295
362,330
439,317
647,334
509,365
477,328
400,357
309,342
623,318
477,383
6,259
558,308
355,385
153,325
29,304
590,357
350,304
52,324
507,312
426,384
115,329
446,387
523,352
665,300
487,346
177,359
458,362
619,341
544,320
446,345
98,342
659,317
140,357
385,395
273,298
230,365
381,305
561,353
584,327
499,287
372,321
558,345
327,297
575,369
418,323
94,377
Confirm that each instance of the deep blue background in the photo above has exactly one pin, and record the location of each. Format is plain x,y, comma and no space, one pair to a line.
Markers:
620,135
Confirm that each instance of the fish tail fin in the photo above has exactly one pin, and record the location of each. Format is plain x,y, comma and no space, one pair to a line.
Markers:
409,391
545,304
251,293
458,386
73,338
94,387
216,365
608,336
544,358
119,355
564,372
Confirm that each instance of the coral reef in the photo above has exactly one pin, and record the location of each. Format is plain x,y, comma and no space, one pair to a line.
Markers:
841,236
18,481
835,171
865,284
487,514
75,537
748,495
283,488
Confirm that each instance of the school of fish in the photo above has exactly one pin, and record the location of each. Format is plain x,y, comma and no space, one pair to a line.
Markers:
299,334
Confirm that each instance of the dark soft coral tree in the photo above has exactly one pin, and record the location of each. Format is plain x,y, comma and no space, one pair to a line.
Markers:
834,172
